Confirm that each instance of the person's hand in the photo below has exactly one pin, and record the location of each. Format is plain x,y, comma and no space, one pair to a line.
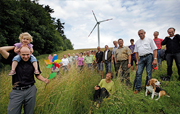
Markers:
112,62
46,80
129,65
96,88
154,62
137,62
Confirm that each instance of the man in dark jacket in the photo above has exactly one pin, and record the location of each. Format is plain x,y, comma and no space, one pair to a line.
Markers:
172,43
107,55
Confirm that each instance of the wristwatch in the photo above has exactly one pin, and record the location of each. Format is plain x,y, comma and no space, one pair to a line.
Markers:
155,58
129,63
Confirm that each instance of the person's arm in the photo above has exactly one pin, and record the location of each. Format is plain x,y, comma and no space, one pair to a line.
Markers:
155,57
137,58
129,61
31,50
4,51
16,50
41,78
164,42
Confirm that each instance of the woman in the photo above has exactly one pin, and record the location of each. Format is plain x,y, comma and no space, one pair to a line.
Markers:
80,62
104,89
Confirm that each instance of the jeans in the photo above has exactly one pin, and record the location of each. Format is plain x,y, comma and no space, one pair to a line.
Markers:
169,59
144,61
108,66
159,60
18,58
99,66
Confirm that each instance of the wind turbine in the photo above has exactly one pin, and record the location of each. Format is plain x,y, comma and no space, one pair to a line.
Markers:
97,24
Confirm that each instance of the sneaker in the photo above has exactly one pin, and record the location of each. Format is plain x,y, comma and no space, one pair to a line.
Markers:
136,91
12,72
98,105
36,72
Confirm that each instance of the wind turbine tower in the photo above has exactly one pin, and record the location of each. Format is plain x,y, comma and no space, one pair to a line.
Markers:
97,24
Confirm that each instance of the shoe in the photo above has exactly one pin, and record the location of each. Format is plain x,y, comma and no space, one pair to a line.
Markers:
136,91
36,72
165,78
12,72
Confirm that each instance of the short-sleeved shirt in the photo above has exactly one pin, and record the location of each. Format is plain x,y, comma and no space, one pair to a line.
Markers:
99,56
113,51
80,61
122,53
131,47
18,45
24,72
88,59
158,42
65,62
108,86
145,46
70,59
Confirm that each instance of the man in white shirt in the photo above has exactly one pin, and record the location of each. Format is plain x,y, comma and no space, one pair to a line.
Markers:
65,63
144,48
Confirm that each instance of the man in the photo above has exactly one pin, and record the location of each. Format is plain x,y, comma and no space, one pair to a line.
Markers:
122,57
113,51
133,57
107,55
70,59
65,63
144,48
24,90
172,51
88,59
159,46
99,61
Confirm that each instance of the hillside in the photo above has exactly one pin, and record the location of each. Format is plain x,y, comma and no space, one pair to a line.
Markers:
72,93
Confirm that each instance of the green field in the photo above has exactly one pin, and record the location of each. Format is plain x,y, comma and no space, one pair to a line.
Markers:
72,93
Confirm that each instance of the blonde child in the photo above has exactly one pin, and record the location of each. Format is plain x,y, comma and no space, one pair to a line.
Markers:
25,40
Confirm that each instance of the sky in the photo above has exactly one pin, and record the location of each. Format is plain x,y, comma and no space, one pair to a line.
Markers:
129,16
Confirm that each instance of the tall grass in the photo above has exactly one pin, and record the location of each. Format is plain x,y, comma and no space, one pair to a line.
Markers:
72,93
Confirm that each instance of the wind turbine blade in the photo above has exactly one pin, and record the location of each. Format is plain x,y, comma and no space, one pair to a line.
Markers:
94,16
92,29
105,20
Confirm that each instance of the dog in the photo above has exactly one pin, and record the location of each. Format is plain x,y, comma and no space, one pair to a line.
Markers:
153,86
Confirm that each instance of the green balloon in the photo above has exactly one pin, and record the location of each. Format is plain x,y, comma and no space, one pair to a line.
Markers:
52,75
50,66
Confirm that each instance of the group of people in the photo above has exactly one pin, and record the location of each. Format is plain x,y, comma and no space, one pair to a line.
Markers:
144,53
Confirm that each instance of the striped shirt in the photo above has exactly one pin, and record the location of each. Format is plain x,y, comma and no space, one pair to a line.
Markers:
122,53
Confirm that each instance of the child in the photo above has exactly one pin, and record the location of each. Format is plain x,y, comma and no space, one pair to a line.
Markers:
25,39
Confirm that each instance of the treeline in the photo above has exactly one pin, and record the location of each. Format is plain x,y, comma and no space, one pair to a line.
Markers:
17,16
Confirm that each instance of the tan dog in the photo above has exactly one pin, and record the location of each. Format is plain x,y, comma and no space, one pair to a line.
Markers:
153,87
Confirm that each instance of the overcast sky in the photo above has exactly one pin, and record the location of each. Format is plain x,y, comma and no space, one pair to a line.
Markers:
128,17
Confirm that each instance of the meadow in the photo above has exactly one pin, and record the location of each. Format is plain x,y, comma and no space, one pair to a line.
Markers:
72,93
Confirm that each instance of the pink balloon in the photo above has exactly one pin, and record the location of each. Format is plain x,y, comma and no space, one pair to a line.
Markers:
50,58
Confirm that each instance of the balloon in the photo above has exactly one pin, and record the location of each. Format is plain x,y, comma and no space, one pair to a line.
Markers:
58,61
52,75
55,58
47,61
49,66
50,58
